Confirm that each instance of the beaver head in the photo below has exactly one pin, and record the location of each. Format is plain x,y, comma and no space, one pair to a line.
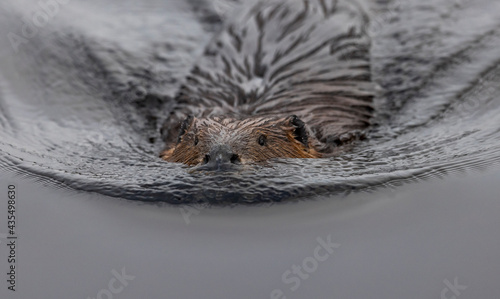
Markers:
220,142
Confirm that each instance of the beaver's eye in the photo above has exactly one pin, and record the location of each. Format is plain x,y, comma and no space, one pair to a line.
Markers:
262,140
196,140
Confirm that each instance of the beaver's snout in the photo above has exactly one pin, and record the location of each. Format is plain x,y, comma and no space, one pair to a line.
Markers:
221,143
221,157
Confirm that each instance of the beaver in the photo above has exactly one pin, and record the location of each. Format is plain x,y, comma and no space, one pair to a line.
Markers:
283,79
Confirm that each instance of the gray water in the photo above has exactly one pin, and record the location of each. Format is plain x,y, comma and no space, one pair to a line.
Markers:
404,243
63,123
83,99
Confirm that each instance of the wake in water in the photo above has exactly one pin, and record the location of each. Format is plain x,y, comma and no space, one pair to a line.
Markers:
83,100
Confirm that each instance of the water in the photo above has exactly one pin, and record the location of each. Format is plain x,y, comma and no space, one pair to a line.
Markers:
392,244
68,122
81,102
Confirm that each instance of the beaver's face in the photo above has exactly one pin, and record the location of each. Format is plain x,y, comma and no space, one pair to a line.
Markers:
222,142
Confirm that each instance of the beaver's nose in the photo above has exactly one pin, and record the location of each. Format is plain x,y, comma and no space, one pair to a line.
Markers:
220,158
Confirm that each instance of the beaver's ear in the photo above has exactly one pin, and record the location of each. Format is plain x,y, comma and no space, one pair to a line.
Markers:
186,123
171,128
299,131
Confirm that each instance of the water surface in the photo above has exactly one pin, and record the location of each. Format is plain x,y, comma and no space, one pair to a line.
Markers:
82,101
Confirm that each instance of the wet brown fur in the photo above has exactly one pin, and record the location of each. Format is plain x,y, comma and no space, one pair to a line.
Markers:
243,138
279,58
